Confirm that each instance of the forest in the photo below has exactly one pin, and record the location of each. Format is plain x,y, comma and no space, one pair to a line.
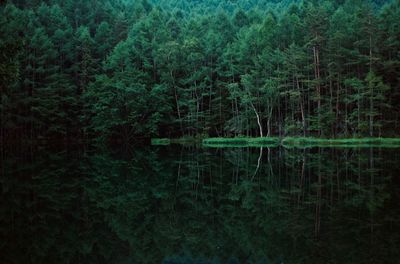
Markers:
199,131
123,70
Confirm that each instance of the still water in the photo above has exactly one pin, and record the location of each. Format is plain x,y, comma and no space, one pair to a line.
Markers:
180,204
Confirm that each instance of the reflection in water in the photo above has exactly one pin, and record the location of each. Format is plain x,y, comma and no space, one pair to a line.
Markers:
194,205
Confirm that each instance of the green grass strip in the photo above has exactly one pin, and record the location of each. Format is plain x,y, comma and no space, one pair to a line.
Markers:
241,142
289,142
160,141
340,142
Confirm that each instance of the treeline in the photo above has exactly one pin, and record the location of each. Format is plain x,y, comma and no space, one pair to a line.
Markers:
126,69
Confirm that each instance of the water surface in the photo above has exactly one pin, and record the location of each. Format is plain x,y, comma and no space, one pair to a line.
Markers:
179,204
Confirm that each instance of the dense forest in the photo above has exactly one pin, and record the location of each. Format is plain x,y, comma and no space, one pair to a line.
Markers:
109,70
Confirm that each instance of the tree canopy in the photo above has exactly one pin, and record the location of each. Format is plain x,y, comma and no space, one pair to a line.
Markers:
109,70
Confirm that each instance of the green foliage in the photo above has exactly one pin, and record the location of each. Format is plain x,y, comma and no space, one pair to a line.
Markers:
160,141
118,70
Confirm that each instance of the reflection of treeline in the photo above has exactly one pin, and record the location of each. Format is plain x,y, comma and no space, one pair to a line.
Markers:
304,206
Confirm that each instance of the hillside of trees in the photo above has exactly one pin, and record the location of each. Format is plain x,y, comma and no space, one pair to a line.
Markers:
105,70
230,6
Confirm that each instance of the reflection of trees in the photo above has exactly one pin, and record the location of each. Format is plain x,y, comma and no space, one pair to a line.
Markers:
43,210
185,205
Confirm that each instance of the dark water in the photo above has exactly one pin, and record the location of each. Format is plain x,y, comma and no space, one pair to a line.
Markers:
193,205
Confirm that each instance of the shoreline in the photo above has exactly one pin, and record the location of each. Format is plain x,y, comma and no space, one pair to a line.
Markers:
289,142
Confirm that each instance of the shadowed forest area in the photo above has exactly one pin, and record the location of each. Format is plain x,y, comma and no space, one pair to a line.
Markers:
120,70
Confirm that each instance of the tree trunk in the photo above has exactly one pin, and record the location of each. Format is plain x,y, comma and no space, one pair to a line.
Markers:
318,86
269,120
176,101
337,106
371,109
371,103
303,119
258,119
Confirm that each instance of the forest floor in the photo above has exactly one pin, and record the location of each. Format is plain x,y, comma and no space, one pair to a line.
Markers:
285,142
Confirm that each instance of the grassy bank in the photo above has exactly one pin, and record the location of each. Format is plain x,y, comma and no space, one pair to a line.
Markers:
298,142
241,142
160,141
340,142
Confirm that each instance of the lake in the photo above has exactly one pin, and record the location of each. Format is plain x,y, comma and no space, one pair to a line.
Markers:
188,204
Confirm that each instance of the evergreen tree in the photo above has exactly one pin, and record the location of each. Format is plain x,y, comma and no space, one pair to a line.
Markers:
127,69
